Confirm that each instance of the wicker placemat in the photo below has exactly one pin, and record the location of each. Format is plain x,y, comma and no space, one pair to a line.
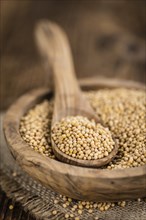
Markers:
38,200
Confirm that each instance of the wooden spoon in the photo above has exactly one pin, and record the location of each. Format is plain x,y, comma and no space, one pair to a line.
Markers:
69,99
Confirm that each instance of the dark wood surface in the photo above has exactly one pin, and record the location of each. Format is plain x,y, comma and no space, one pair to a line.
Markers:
100,45
17,213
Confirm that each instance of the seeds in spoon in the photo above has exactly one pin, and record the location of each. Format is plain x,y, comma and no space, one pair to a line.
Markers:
81,138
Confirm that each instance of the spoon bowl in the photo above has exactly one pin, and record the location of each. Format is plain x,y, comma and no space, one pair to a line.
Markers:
85,163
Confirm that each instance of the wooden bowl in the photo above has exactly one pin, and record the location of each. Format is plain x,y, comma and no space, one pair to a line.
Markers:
76,182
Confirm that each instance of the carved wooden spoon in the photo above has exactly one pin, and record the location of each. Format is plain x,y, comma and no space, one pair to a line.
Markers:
69,100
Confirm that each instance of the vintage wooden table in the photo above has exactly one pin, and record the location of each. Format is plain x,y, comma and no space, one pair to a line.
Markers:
9,213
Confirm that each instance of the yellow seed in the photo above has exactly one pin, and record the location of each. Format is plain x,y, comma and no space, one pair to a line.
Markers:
66,215
11,207
56,201
80,206
54,212
64,205
80,211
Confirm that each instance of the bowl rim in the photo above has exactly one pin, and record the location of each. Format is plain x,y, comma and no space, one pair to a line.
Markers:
17,144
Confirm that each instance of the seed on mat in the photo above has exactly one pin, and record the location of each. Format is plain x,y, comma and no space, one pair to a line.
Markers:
54,212
11,207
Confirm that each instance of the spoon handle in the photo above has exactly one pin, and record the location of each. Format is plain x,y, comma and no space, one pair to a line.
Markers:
54,47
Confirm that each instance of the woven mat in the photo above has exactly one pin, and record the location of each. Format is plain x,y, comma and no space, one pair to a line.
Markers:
38,200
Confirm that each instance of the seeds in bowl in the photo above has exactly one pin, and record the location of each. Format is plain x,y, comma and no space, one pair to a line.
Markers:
124,116
81,138
121,110
35,128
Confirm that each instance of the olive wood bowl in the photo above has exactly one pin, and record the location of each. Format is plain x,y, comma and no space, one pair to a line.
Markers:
76,182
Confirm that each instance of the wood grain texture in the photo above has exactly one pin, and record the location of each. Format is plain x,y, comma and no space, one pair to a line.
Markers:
69,100
54,47
76,182
101,47
17,213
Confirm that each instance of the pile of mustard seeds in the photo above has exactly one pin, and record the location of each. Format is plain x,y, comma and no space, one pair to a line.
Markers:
121,110
35,128
81,138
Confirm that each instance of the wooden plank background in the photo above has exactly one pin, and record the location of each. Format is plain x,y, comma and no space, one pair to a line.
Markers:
107,38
